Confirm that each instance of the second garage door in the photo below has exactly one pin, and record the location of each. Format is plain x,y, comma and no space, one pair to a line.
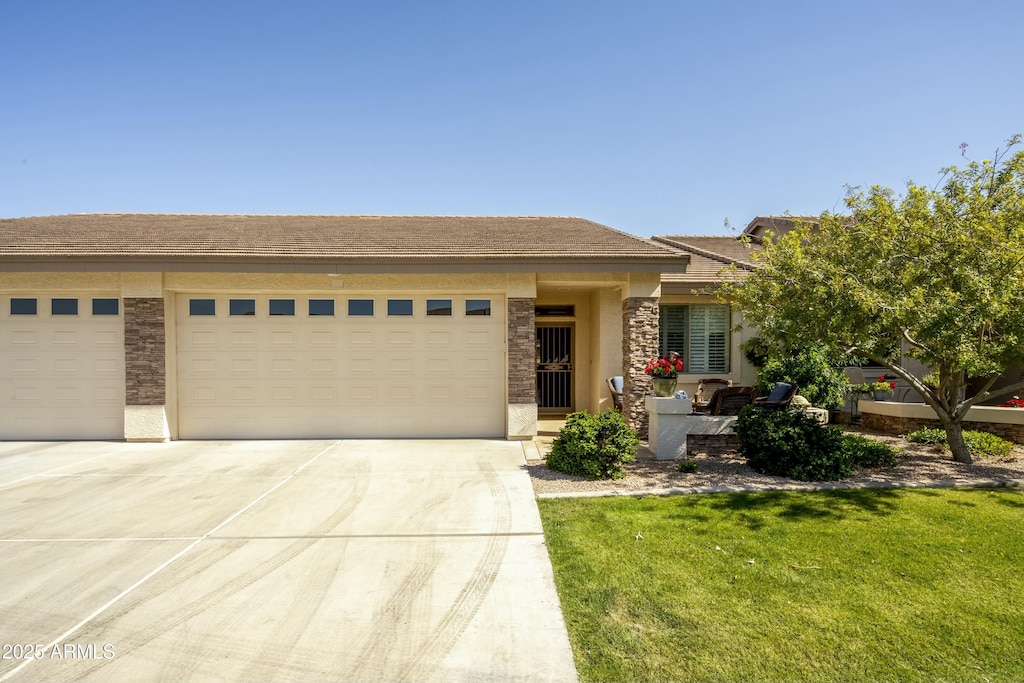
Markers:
311,366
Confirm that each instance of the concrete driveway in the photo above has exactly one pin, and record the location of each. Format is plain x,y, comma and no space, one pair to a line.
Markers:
289,560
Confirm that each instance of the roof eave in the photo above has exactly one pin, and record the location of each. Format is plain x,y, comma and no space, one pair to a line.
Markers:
108,263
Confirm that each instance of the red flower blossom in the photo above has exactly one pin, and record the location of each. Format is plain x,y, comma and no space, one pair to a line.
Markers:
665,367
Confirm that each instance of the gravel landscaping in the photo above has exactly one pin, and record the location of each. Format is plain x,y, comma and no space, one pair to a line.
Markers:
917,463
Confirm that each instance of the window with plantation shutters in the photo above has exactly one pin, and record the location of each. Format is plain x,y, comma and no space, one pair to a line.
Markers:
700,334
673,330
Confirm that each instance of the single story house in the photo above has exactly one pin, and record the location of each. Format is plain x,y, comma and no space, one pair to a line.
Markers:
157,326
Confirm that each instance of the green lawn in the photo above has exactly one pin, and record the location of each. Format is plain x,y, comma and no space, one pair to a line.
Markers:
867,585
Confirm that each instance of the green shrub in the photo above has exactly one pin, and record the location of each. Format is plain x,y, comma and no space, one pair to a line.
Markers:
978,443
688,466
869,453
983,443
790,443
928,436
594,445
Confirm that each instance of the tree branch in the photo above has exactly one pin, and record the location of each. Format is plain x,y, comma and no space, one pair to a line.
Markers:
985,395
912,342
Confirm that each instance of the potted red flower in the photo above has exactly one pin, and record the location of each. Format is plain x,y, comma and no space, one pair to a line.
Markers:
663,371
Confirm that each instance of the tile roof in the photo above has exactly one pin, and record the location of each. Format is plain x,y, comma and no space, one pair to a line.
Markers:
310,238
778,224
708,256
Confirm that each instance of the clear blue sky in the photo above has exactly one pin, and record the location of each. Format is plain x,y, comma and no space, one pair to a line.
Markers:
651,117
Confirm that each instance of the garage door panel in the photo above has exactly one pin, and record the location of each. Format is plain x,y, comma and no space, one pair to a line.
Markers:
340,376
61,377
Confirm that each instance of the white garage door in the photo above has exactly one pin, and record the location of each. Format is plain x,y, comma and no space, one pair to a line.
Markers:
360,366
61,366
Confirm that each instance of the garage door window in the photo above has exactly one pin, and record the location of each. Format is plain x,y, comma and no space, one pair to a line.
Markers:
399,306
105,306
439,306
360,306
202,307
478,306
64,307
242,307
23,307
282,307
321,306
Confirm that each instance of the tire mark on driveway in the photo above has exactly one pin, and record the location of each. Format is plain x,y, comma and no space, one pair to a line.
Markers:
246,579
103,618
429,655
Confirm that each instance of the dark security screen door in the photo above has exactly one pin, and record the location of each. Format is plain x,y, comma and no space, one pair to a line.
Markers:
554,368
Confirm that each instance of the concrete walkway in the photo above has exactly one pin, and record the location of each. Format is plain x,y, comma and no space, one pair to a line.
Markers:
299,560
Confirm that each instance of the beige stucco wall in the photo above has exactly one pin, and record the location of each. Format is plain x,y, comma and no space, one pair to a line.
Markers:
41,282
266,282
606,344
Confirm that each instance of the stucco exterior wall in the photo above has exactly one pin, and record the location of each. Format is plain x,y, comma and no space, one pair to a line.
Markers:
41,282
262,282
605,344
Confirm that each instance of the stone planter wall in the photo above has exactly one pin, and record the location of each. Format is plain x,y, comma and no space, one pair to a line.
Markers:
712,444
903,418
895,425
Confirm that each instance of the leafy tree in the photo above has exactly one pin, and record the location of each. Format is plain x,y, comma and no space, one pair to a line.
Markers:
815,369
937,272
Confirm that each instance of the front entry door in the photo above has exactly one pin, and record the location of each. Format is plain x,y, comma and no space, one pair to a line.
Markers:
554,368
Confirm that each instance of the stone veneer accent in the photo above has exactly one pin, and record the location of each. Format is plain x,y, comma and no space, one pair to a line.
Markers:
144,352
712,444
895,425
640,321
522,351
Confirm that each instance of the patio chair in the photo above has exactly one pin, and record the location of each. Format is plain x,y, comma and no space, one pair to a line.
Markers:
706,389
615,385
731,400
780,397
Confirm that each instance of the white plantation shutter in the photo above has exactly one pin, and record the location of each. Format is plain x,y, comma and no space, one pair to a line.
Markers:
673,330
709,339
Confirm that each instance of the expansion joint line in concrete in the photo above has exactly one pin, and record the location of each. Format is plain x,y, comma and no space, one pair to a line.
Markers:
181,553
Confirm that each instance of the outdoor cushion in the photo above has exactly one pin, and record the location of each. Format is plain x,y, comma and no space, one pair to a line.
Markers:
779,392
617,383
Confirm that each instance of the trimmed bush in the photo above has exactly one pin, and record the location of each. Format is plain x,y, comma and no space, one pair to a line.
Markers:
978,443
868,452
594,445
789,443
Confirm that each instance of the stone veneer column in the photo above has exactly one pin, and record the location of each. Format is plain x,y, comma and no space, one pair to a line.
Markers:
145,369
522,368
640,323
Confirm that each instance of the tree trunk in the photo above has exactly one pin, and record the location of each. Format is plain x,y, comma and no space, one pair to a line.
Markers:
957,445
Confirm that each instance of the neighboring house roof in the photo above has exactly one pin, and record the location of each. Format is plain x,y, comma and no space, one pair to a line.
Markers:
778,225
177,240
709,255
